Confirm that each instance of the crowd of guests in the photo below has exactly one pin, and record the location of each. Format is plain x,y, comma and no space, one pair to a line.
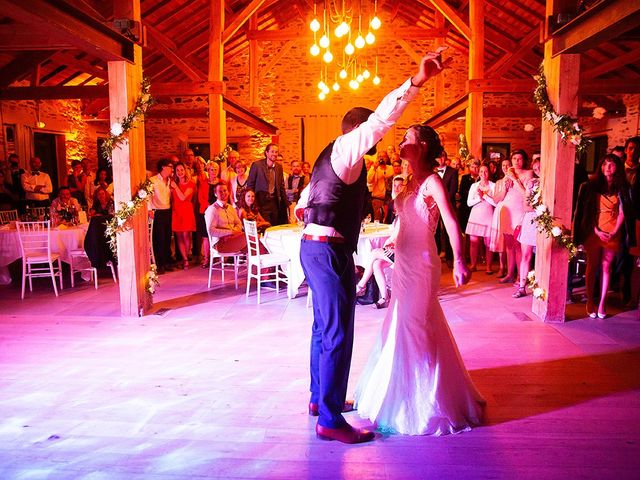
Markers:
491,201
202,204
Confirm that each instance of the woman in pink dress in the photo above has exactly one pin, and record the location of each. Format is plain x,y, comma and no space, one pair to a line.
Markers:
183,219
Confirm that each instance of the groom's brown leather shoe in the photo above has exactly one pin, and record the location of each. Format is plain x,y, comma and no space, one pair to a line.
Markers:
313,408
344,434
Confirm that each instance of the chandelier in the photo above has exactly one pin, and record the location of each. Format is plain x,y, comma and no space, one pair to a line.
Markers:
343,38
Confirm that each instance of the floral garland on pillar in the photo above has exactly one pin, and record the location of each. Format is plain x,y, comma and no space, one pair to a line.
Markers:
119,130
565,125
570,130
121,222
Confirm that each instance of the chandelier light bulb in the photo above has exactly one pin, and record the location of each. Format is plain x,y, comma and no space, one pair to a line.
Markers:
370,38
349,49
314,50
326,90
366,74
322,95
336,86
360,78
314,25
324,41
360,42
327,57
343,74
321,85
353,83
375,23
376,80
342,29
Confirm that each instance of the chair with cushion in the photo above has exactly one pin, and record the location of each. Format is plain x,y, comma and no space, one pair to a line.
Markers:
7,216
258,262
37,259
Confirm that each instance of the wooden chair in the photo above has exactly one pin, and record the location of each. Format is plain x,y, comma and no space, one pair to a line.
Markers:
257,262
7,216
37,259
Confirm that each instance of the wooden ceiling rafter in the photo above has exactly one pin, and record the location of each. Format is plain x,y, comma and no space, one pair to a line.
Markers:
16,37
600,23
507,61
21,66
170,51
452,16
63,21
241,18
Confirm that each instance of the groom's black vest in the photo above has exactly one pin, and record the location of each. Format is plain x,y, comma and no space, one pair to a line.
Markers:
332,202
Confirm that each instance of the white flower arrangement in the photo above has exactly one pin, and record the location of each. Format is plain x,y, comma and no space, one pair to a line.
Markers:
528,127
536,290
546,222
565,125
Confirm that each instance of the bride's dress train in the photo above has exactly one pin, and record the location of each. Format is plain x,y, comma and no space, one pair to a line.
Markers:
415,381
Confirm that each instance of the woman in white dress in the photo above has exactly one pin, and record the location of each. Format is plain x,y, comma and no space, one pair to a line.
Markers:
415,381
479,223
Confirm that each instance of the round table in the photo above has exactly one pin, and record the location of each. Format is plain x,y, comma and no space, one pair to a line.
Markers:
285,239
63,240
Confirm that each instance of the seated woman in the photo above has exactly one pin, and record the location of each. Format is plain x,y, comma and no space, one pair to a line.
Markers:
248,209
95,243
103,179
381,258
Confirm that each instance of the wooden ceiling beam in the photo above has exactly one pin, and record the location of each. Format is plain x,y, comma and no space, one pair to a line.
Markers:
53,93
180,89
411,33
613,64
82,65
452,16
70,25
20,66
247,117
525,46
169,49
600,23
240,19
15,37
449,113
587,87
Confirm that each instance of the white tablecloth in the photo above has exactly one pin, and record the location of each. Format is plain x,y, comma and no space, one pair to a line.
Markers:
286,239
63,240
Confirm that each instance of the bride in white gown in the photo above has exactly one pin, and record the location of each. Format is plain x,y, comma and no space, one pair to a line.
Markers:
415,382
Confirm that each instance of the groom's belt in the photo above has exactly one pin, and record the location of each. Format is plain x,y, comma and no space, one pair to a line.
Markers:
323,238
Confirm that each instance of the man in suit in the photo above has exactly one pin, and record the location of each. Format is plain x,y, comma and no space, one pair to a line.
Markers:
266,179
449,178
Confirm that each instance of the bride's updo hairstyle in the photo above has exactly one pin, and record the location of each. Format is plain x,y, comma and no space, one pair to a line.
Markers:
429,136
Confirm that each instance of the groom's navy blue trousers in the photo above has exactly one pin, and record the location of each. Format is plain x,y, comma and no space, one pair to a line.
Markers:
330,274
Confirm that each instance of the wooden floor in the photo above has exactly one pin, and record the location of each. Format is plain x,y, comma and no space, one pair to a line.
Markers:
214,386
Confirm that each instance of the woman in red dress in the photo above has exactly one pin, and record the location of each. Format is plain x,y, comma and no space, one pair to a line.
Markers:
183,219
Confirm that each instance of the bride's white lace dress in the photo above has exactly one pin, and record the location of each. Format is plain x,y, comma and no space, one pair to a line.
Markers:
415,381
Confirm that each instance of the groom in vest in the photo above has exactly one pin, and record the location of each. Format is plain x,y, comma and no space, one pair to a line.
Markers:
332,205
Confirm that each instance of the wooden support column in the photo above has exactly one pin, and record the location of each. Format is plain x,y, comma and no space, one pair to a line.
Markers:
474,118
217,116
129,170
254,58
558,161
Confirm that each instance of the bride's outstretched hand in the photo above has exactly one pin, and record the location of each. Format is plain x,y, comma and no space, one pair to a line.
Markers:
461,274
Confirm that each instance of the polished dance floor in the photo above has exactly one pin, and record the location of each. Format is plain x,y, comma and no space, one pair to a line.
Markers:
214,386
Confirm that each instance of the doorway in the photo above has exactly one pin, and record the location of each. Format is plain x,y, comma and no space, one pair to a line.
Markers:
46,148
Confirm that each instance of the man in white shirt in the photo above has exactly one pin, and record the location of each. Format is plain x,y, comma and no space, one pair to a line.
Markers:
223,223
332,211
160,210
36,184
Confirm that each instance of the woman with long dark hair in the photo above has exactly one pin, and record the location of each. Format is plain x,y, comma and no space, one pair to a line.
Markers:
604,215
415,381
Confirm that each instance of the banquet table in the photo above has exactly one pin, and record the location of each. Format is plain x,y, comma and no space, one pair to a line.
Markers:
285,239
63,240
